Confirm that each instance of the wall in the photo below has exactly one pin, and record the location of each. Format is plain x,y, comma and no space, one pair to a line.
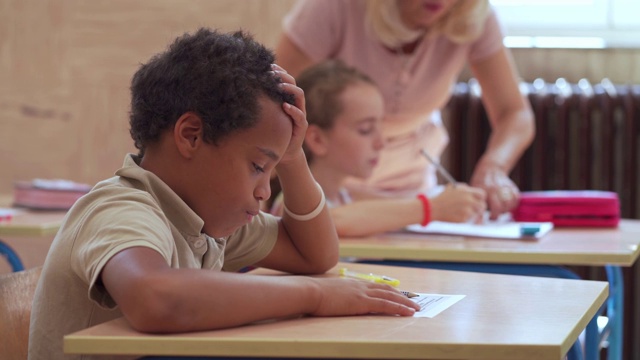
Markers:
618,65
621,66
65,68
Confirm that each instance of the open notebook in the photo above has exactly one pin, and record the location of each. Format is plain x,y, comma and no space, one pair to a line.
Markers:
495,230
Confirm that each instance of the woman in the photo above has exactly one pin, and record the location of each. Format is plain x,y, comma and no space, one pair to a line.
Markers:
414,50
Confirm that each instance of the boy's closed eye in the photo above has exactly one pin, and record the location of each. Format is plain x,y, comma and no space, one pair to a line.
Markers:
258,168
265,160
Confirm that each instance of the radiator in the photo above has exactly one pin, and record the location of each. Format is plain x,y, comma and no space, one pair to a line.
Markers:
587,137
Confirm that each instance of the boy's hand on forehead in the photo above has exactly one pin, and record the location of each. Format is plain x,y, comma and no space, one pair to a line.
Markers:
296,112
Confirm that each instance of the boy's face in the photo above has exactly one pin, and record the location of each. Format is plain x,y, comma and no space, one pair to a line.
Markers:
234,175
355,140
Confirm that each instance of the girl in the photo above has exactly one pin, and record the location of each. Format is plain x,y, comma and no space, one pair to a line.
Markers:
344,139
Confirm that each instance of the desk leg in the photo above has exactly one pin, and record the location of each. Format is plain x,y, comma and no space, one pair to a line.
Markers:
592,339
11,256
615,312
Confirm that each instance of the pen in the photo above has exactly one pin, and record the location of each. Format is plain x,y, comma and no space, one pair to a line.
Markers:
439,167
382,279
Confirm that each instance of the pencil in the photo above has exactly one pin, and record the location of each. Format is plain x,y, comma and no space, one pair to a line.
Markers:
439,168
409,294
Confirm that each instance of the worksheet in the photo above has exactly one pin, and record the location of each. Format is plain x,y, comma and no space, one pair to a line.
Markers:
494,230
433,304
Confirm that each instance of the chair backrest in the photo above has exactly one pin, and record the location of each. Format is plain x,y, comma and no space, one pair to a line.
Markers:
16,295
11,256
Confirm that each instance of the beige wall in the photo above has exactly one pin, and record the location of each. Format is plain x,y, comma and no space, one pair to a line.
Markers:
65,67
618,65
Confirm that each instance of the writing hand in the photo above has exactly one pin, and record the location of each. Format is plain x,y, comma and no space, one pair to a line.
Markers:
459,204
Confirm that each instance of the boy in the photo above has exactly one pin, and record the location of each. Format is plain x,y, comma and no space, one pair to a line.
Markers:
212,118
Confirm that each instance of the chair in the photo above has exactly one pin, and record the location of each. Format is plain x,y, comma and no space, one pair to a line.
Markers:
16,294
11,256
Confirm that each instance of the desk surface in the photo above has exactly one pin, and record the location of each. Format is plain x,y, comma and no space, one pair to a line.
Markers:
32,223
501,317
562,246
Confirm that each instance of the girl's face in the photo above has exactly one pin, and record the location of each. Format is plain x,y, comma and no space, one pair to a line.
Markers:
421,14
355,140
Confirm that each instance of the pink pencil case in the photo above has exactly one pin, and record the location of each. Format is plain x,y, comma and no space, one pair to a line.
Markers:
569,208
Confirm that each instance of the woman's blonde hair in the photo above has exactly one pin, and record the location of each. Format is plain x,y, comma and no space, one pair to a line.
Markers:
463,23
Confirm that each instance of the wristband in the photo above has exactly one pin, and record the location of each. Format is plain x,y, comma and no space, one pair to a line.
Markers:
315,212
426,208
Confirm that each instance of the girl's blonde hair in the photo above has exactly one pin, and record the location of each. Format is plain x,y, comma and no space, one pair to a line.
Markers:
463,23
323,85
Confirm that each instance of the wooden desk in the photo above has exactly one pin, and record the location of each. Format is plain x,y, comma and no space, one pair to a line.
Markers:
501,317
609,247
29,234
562,246
32,223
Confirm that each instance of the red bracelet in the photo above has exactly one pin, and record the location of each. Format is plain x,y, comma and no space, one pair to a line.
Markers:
426,208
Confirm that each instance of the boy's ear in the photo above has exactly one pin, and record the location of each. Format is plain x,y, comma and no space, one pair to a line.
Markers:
316,140
187,134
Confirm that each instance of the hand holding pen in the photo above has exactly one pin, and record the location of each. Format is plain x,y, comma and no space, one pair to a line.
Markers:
441,170
458,202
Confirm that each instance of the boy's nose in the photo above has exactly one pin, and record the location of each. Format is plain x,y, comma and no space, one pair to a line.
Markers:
263,191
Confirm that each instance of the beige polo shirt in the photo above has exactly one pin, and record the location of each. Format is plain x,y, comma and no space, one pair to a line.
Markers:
134,208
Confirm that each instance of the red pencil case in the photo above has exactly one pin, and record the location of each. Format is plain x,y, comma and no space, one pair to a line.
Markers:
569,208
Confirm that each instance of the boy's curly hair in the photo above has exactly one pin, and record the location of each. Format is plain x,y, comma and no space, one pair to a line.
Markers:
218,76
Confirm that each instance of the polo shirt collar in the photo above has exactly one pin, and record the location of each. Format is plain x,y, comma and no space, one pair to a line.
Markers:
174,208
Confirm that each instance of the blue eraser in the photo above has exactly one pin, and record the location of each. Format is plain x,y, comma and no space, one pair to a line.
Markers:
529,229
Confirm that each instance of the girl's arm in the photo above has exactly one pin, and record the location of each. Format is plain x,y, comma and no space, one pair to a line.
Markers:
368,217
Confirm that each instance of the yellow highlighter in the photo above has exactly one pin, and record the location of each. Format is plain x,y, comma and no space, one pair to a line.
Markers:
382,279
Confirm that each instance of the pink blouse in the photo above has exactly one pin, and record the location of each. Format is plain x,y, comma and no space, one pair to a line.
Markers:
415,86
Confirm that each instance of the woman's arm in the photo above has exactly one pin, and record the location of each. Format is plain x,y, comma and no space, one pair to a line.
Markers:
291,57
513,130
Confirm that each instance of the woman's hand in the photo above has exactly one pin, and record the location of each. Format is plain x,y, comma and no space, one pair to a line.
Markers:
502,193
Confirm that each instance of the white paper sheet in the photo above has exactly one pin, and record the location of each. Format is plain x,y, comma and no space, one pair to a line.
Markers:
495,230
433,304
